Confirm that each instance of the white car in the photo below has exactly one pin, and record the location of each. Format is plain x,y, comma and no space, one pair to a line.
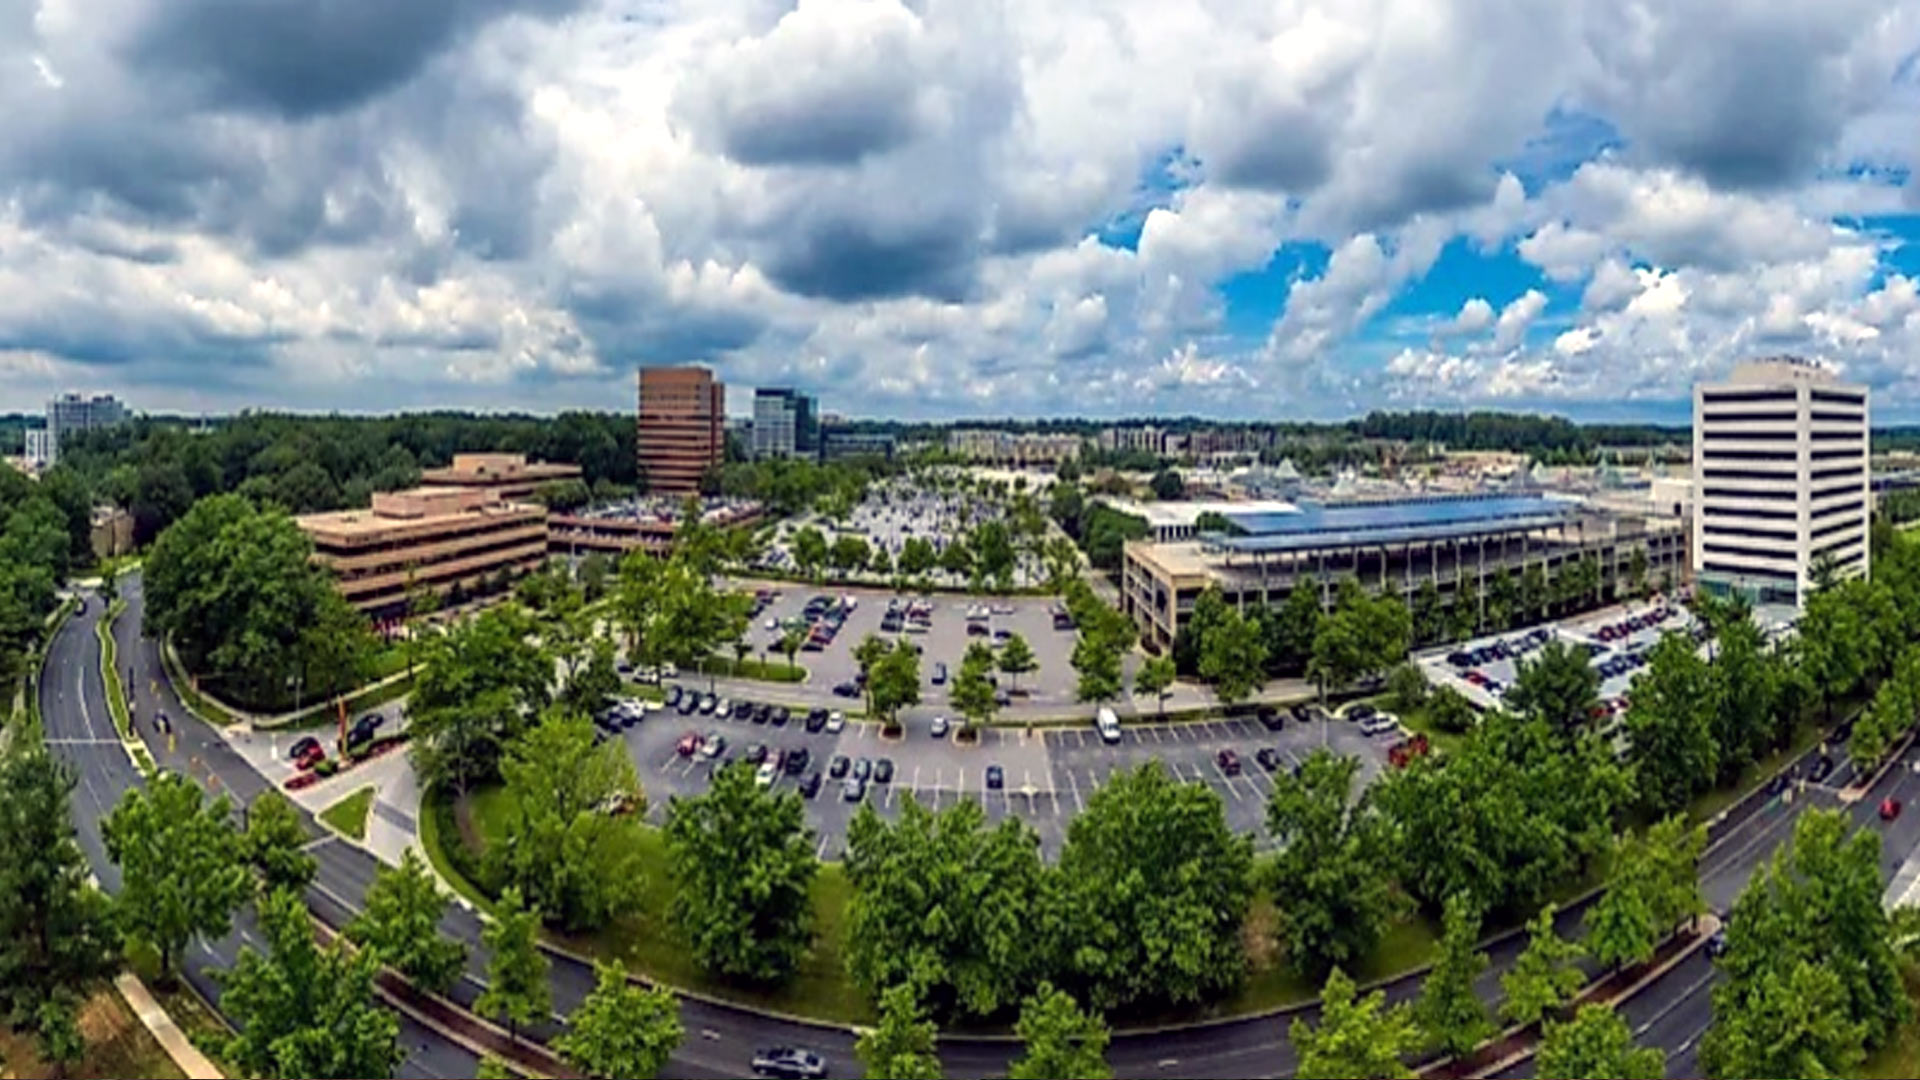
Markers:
836,722
773,624
766,774
1379,724
724,709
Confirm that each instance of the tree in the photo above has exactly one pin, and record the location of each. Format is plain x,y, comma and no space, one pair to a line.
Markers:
56,1022
1155,677
894,683
564,852
516,969
1792,1021
973,692
1233,658
901,1047
743,868
1155,885
1743,723
622,1031
1062,1042
1017,659
1545,976
1449,710
1330,876
790,643
1503,599
480,684
1429,617
848,554
809,550
305,1011
1097,660
917,556
1833,645
1354,1038
593,573
1167,485
1407,688
1597,1045
181,864
274,843
492,1068
400,924
1559,686
1450,1012
1670,725
1637,571
944,901
1364,636
56,931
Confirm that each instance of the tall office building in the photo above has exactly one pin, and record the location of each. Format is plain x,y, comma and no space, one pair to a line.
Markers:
786,423
682,427
71,412
1780,479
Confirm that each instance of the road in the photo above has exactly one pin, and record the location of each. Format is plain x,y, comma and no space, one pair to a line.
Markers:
721,1039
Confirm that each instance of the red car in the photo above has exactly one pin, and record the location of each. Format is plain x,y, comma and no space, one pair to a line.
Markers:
1229,762
1889,808
689,745
311,756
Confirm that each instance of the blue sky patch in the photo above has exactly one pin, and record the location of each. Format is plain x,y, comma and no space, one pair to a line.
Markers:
1164,177
1254,299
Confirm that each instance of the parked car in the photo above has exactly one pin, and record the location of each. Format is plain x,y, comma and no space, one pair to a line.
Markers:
1108,725
839,766
862,768
1379,724
713,746
883,771
673,697
708,703
816,720
1268,757
996,778
756,753
724,710
765,774
781,714
846,689
1228,760
939,728
1271,718
688,745
1359,711
311,758
836,722
940,673
854,789
796,762
304,747
1889,808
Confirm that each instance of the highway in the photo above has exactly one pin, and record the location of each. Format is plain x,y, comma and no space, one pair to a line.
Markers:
721,1039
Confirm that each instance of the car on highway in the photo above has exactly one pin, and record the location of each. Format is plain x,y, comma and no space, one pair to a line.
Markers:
883,771
810,786
836,722
939,728
838,767
1228,760
1822,768
996,778
1889,808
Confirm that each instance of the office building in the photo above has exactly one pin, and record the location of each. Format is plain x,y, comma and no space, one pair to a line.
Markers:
681,428
616,530
70,413
840,445
1781,480
1459,544
786,423
40,451
512,476
430,537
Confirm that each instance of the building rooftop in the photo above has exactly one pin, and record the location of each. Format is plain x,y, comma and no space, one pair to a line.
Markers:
1314,525
396,509
495,468
1161,514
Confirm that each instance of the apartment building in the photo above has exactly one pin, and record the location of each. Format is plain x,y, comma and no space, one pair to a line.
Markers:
681,427
511,476
1781,479
431,537
1008,448
69,413
1144,437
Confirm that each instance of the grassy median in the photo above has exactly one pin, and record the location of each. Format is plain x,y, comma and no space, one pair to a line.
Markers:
110,671
349,815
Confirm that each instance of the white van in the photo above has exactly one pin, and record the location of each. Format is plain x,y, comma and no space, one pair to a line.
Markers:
1108,725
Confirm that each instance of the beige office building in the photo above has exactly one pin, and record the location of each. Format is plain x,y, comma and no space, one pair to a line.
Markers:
434,537
512,476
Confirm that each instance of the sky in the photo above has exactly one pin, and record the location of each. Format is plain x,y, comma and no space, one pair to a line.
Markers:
936,209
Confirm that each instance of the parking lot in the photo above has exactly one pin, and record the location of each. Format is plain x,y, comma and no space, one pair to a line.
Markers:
898,511
1617,641
945,640
1048,774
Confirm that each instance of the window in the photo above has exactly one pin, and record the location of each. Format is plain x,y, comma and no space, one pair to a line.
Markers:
1753,455
1774,495
1749,474
1751,513
1844,470
1757,534
1750,417
1854,452
1730,570
1834,527
1746,552
1722,435
1842,417
1718,396
1853,435
1838,508
1837,396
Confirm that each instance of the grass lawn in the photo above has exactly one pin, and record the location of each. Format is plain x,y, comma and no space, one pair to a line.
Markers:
644,938
1900,1058
117,1045
110,672
1272,983
1416,721
765,671
349,815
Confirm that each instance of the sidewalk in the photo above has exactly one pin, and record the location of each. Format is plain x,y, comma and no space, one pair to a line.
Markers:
164,1030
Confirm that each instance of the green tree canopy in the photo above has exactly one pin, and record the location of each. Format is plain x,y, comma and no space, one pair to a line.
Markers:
1155,677
400,923
622,1031
901,1046
1449,1012
1559,686
1233,658
1546,975
480,685
1596,1045
1017,659
182,865
274,844
1332,873
1670,725
1062,1042
1354,1038
517,990
743,868
304,1011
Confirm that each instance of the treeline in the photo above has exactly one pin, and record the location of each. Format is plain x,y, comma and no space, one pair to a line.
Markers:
158,468
45,531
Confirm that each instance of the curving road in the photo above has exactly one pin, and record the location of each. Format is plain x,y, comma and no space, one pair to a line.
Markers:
1671,1014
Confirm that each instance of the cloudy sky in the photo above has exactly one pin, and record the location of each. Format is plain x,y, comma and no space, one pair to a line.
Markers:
937,208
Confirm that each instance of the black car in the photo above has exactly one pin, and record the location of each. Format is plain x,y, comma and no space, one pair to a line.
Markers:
846,689
1459,658
673,697
862,769
816,720
1270,718
996,778
1269,758
940,674
883,771
796,762
304,747
839,766
810,786
1300,714
781,715
756,753
1822,768
1357,713
762,713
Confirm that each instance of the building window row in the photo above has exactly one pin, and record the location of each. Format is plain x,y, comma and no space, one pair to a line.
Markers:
1757,534
1833,454
1834,527
1753,455
1750,474
1716,397
1838,396
1854,505
1840,417
1830,548
1843,470
1730,570
1832,435
1752,513
1768,495
1787,417
1746,552
1765,435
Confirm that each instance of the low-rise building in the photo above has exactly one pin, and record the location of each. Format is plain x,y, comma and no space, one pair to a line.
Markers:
1459,544
1009,448
619,529
512,476
840,445
112,532
428,537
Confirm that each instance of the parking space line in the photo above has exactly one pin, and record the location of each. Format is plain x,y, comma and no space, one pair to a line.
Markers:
1073,785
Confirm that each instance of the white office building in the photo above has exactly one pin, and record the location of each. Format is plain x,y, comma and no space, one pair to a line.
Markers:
785,424
40,452
71,412
1780,479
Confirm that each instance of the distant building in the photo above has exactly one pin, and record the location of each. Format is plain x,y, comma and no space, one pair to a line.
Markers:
838,445
619,529
1781,480
40,447
786,423
681,428
1144,437
511,476
1008,448
70,413
111,534
428,537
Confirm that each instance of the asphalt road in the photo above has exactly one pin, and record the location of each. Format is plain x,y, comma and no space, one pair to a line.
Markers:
721,1039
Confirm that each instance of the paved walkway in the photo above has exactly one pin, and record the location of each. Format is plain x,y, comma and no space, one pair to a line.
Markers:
164,1030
